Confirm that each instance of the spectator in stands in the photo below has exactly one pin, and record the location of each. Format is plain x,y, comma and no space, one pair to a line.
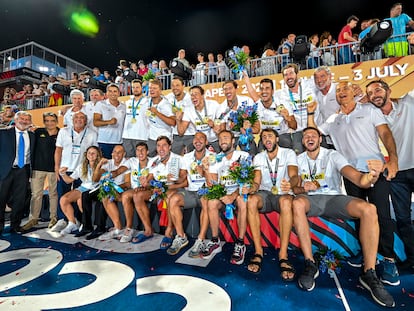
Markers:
398,45
84,172
106,166
199,73
222,69
154,68
375,53
410,40
345,37
164,75
327,53
286,48
8,116
6,95
276,173
44,168
109,118
181,101
211,67
55,98
356,137
159,115
314,59
399,114
136,123
181,58
108,77
267,62
38,95
142,68
72,83
320,194
98,75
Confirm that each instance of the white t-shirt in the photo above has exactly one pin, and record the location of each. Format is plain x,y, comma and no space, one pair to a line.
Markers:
89,109
224,111
161,170
111,134
298,102
222,170
157,127
86,180
197,124
355,135
183,105
136,124
136,171
270,118
110,166
189,163
74,145
401,122
278,166
326,170
327,103
68,117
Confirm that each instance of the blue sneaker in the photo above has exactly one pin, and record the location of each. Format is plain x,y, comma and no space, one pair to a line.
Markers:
356,261
389,273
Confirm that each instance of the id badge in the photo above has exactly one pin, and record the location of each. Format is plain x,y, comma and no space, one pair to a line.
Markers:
76,149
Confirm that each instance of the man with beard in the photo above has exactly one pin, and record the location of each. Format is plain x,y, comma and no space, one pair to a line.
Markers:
16,153
219,173
231,104
136,123
355,131
160,169
399,115
189,198
297,94
200,116
271,113
319,194
276,172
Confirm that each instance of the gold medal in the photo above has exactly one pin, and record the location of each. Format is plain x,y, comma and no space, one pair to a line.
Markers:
217,122
205,120
133,120
145,172
274,190
279,108
148,113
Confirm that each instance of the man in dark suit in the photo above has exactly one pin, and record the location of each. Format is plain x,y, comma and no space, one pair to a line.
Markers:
15,168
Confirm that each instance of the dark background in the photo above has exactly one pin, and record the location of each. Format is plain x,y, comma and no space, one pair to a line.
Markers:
155,29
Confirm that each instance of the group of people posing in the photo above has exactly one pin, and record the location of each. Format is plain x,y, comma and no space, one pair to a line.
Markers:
310,137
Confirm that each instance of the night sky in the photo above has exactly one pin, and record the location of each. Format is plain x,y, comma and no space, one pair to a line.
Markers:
155,29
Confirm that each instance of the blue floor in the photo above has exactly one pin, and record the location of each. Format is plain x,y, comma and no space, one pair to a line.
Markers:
38,274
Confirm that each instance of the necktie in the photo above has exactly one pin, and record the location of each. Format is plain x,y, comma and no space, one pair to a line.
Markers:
20,155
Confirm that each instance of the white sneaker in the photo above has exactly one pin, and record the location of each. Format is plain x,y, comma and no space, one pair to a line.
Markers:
113,233
71,227
59,226
197,249
127,235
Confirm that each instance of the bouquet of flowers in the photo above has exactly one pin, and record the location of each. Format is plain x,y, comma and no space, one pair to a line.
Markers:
244,113
329,260
159,191
242,172
108,188
237,60
215,192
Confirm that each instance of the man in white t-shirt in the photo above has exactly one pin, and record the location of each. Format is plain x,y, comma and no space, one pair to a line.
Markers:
181,102
219,173
160,116
109,117
200,117
319,194
189,198
95,95
136,125
276,172
77,98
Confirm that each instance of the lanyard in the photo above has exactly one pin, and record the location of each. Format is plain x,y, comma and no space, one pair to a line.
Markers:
312,172
205,113
83,136
134,108
227,111
293,100
273,173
